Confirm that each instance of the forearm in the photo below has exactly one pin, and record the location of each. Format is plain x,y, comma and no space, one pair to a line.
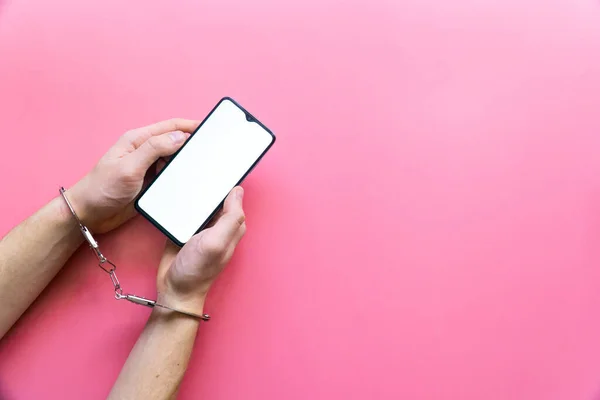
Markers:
157,363
31,255
159,359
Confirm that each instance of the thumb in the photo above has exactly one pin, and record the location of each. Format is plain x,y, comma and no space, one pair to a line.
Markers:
225,229
233,201
156,147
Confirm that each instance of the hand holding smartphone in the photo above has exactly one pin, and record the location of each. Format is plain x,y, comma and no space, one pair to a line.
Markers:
218,155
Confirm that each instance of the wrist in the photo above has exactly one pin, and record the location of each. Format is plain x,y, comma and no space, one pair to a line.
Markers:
65,217
81,204
183,302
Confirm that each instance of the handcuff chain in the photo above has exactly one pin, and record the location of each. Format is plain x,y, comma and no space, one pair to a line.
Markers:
109,267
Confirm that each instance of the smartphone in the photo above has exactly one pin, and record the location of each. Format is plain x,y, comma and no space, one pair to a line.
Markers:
218,155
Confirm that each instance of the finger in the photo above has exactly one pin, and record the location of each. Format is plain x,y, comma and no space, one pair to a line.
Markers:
156,147
160,164
137,137
239,234
236,240
214,219
226,228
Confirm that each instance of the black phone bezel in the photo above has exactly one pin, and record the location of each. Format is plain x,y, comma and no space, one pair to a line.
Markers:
250,118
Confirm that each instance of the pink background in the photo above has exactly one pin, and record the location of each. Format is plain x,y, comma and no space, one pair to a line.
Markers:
427,225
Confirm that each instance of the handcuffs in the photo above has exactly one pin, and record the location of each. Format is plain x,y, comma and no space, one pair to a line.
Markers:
109,267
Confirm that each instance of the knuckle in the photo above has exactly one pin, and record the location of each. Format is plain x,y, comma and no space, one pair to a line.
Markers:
172,124
130,134
154,143
240,217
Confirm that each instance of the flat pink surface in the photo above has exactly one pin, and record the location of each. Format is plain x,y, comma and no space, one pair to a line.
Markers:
427,225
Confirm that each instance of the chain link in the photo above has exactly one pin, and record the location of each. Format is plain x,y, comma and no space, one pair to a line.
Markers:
112,274
110,268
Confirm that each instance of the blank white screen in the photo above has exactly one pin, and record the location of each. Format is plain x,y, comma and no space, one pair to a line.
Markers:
210,164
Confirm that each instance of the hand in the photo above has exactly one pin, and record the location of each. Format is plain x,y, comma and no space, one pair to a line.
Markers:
104,198
185,276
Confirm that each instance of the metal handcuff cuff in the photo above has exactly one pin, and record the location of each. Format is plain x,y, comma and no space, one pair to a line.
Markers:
110,268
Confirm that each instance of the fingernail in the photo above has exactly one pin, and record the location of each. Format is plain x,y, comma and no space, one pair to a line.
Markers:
177,136
239,193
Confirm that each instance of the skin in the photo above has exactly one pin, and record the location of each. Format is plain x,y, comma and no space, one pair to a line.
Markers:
33,252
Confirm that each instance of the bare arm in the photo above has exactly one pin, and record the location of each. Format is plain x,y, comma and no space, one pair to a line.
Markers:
159,359
34,251
31,255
